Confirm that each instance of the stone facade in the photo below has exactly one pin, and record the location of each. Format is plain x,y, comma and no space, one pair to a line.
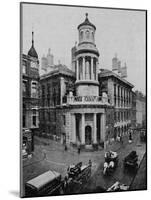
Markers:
119,92
84,106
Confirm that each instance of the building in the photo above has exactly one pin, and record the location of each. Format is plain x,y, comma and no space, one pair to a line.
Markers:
47,63
30,94
133,117
85,106
119,92
140,109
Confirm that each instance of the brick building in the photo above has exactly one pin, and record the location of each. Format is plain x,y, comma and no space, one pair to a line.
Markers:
30,92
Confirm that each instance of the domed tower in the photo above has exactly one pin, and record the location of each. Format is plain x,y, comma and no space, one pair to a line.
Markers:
86,57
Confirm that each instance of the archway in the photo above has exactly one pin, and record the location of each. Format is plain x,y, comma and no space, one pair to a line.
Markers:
88,135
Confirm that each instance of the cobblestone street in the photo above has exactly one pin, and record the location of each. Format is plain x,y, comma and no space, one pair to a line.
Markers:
51,155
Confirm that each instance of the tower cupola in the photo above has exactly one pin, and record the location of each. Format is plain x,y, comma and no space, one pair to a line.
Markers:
86,60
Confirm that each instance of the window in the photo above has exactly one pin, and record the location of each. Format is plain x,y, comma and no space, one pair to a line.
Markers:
24,86
34,117
92,36
34,120
87,34
34,89
24,69
81,35
115,116
64,120
24,121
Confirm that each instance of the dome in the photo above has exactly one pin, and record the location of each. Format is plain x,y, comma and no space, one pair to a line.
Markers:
32,52
87,22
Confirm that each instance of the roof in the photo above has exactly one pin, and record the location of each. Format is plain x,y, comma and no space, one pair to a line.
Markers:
43,179
108,73
32,52
87,22
59,69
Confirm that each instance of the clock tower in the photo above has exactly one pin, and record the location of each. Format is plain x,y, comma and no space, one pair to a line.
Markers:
30,87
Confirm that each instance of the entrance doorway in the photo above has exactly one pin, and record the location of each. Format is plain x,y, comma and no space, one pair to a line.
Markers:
88,135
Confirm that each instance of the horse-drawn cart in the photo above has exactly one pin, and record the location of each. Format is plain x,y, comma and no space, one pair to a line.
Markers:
77,175
111,162
130,161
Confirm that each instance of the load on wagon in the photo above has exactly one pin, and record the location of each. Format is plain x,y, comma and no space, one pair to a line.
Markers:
48,183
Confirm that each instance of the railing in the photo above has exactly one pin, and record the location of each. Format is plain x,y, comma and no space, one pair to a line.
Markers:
86,100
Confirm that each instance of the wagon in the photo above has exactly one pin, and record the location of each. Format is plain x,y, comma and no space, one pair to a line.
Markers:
111,162
130,161
76,177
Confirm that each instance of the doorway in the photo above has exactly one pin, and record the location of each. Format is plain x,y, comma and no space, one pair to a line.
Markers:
88,135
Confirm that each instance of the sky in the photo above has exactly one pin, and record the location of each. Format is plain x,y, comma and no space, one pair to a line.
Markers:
117,31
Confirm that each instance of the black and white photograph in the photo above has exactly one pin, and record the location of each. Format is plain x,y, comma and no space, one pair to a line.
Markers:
83,104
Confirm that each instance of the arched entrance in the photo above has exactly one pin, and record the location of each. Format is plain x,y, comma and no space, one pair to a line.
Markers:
88,135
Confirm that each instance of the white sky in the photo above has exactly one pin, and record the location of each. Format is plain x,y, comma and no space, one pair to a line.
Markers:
117,31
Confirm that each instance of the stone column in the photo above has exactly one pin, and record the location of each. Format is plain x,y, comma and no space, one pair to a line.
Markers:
83,129
73,129
116,95
83,68
77,70
95,129
97,69
92,76
119,96
103,126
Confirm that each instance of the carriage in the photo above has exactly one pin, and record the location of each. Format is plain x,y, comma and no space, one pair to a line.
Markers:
130,161
111,162
77,175
143,135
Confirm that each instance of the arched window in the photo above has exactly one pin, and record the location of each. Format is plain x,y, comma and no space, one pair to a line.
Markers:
81,35
87,33
92,35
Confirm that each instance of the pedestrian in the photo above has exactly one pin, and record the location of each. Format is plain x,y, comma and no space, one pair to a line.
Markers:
65,147
121,139
79,149
90,163
130,136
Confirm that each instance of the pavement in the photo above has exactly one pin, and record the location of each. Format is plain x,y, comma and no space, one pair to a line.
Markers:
50,155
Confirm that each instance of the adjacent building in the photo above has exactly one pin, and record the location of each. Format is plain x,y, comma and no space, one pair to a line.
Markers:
140,109
119,92
30,94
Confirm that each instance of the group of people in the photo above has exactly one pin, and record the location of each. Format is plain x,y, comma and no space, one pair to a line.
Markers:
78,148
120,138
